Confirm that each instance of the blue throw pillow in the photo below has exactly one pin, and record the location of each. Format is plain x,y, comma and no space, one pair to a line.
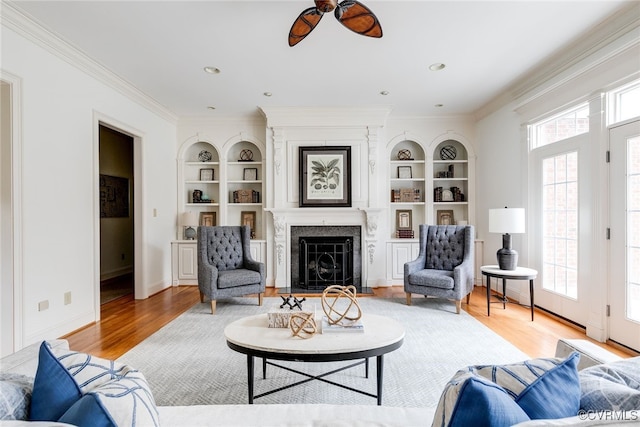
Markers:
81,389
470,400
503,395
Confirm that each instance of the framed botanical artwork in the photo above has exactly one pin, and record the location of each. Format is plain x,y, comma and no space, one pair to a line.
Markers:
403,220
250,174
445,217
207,219
404,172
206,174
325,176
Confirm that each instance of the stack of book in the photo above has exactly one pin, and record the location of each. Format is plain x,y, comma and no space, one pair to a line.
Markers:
404,234
346,326
405,195
437,194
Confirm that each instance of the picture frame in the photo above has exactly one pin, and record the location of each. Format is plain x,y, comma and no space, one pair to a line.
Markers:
404,172
404,219
325,176
250,174
445,217
206,174
249,218
207,219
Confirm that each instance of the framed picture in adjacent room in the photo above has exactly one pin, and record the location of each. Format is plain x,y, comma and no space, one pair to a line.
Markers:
445,217
404,220
207,219
206,175
325,176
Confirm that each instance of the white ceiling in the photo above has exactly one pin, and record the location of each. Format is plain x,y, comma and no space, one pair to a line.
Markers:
161,47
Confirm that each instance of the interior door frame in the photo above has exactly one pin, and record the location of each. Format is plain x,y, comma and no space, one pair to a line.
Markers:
139,261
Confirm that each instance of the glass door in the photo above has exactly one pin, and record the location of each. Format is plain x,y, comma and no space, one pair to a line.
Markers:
624,324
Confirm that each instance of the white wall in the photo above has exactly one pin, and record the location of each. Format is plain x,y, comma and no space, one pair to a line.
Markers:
60,105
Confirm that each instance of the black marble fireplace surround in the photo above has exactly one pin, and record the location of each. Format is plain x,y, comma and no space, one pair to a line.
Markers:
332,235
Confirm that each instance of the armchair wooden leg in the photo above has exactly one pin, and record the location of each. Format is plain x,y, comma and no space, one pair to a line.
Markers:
408,298
213,306
468,298
260,299
201,297
458,305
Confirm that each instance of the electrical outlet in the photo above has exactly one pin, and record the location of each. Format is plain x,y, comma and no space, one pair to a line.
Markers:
67,298
43,305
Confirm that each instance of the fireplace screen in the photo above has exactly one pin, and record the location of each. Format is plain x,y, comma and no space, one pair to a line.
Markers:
325,261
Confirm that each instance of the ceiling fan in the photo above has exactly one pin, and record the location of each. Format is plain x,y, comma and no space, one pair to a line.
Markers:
352,14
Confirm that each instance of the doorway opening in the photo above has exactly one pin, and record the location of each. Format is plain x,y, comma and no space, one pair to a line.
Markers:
117,249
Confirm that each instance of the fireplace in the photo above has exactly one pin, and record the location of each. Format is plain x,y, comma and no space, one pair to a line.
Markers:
325,261
325,255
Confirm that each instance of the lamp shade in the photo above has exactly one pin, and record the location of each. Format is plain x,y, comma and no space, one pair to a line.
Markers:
189,218
506,220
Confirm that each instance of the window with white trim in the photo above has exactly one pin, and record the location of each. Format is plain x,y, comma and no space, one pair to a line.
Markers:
624,102
561,126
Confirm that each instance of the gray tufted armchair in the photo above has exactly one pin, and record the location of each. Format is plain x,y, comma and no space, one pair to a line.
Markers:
445,265
225,267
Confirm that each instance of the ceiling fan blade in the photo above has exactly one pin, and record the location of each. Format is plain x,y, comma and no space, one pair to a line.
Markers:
303,25
358,18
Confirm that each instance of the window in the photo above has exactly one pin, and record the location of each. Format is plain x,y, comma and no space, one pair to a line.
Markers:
562,126
625,102
560,224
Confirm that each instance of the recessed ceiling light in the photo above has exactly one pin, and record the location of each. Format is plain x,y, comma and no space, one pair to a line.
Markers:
437,66
267,94
384,92
212,70
211,107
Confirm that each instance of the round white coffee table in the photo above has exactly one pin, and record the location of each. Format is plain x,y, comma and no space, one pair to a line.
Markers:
252,336
520,273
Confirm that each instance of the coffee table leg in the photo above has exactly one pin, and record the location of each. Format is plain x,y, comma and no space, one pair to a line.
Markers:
531,296
264,368
379,371
250,377
366,367
488,295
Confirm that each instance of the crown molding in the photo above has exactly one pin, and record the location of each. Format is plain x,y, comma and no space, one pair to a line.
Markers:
18,21
605,41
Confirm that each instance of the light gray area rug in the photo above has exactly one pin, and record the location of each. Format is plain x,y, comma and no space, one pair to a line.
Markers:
188,362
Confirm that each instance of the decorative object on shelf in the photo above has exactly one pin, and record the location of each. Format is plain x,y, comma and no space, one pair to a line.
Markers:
448,152
249,218
445,217
404,154
205,156
404,172
189,219
114,197
405,234
302,325
246,155
207,219
245,196
447,196
506,221
250,174
206,174
292,302
325,176
405,195
403,220
340,305
457,194
196,196
437,194
352,14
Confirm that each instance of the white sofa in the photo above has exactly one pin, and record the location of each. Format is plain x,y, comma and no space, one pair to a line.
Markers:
25,362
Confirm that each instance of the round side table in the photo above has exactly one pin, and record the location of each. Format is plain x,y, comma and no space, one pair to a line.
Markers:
520,273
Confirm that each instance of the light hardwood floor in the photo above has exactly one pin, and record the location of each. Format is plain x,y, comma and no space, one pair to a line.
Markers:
126,322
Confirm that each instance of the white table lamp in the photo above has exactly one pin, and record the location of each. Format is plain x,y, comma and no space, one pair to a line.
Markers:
190,220
507,221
